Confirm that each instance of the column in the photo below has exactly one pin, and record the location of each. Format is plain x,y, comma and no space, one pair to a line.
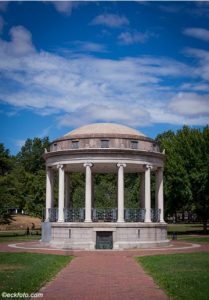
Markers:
92,190
49,192
121,192
142,190
88,192
147,193
159,193
67,191
61,193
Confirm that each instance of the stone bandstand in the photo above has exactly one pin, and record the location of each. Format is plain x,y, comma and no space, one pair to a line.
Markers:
104,148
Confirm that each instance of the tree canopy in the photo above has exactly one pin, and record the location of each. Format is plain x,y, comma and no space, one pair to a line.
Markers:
186,177
187,170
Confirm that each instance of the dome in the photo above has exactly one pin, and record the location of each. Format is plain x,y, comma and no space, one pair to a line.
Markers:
104,129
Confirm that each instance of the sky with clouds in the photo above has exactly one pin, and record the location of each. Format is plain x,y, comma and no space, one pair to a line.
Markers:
66,64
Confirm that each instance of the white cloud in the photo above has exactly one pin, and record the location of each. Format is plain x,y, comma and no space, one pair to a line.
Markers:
82,89
129,38
86,46
44,132
20,44
19,143
197,87
202,69
198,33
110,20
65,7
191,104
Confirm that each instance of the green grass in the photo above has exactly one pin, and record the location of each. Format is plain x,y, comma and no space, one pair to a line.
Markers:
7,239
195,239
182,276
183,228
18,233
27,272
18,236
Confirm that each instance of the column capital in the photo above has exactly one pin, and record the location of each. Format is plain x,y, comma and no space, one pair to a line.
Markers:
148,167
121,165
60,166
160,169
88,164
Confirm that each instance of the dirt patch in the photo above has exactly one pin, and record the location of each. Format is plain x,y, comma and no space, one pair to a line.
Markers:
21,222
11,267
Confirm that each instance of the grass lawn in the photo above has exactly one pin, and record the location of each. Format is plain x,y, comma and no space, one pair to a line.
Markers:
27,272
17,236
182,276
12,239
195,239
181,228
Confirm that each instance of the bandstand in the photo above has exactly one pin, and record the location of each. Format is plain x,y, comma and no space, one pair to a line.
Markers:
104,148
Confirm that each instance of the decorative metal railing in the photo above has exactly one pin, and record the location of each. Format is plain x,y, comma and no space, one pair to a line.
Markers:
74,214
155,215
104,214
134,214
53,214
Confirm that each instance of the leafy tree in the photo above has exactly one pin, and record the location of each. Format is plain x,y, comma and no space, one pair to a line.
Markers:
31,154
187,170
77,189
5,184
132,190
105,190
5,160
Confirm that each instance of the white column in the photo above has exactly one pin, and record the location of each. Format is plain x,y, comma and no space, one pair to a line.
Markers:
121,192
142,190
88,192
92,190
67,190
61,193
147,193
49,191
159,193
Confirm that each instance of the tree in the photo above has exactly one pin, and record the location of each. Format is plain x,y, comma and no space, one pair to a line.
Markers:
31,154
5,161
187,170
5,190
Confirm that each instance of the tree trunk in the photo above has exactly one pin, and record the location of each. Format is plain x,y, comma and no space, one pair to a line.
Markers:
205,226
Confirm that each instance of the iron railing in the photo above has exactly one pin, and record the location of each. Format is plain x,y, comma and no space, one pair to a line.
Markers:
155,215
53,214
104,214
74,214
134,214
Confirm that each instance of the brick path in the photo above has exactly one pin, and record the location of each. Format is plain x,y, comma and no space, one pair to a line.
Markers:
98,277
108,275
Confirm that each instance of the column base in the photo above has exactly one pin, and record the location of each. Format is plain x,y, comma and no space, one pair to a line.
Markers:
61,221
88,221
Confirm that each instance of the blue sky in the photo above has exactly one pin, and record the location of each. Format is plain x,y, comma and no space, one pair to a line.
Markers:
67,64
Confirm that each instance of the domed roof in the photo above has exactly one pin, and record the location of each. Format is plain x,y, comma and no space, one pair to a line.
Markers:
104,129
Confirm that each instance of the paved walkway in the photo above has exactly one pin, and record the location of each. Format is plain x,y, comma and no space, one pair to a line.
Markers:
98,277
108,275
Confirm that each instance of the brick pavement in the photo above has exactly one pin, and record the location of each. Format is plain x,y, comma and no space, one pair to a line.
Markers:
108,275
98,277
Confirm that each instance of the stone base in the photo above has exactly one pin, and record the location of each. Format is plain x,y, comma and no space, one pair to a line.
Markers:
125,235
